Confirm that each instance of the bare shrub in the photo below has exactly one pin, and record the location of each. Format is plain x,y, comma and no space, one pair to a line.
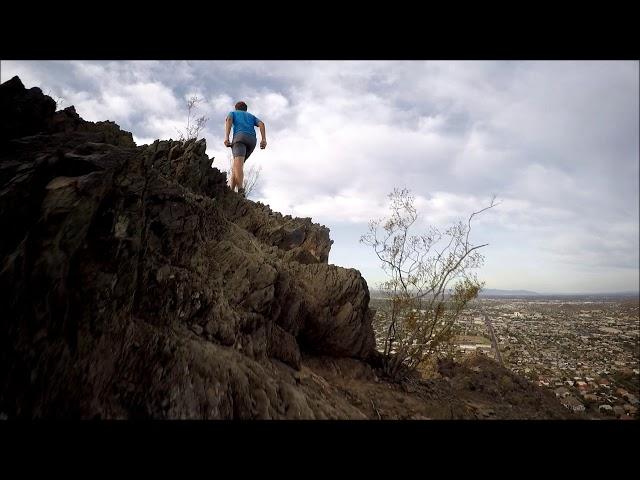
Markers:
429,282
60,101
195,124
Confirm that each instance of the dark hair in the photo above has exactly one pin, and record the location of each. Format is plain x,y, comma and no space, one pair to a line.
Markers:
241,106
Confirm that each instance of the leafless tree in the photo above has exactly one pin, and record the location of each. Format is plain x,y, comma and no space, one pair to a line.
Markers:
195,124
429,281
56,98
251,177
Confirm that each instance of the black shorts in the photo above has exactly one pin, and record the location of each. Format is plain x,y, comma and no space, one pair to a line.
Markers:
243,145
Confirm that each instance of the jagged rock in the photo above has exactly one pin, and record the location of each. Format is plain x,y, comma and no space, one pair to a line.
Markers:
24,112
119,254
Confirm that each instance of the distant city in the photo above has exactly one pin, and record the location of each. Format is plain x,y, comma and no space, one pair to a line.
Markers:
585,348
495,292
488,292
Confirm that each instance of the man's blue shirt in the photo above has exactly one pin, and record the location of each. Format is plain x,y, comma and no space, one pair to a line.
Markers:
243,122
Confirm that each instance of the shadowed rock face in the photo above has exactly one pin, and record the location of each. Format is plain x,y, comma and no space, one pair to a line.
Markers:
134,284
24,112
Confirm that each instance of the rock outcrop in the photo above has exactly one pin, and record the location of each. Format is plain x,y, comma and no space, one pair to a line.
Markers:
134,284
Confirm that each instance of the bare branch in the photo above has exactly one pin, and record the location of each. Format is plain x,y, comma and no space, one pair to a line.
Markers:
195,125
423,309
491,205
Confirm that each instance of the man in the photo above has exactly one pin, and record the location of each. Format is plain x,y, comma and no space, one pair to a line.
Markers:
244,141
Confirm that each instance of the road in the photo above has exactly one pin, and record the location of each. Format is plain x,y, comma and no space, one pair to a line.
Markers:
494,342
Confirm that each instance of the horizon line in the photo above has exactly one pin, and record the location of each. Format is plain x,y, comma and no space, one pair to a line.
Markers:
537,293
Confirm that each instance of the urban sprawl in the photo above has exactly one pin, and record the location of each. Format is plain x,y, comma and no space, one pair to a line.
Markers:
586,350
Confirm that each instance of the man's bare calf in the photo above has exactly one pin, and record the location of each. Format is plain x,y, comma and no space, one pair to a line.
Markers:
237,174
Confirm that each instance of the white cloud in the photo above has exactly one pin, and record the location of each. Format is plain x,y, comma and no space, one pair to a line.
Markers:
556,141
271,105
222,103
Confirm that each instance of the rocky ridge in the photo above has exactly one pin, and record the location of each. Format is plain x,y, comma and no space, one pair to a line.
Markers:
134,284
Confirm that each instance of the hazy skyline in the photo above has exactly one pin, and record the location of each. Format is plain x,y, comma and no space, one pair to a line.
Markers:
556,141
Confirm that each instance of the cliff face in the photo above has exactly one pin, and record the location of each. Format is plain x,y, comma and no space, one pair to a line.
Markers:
134,284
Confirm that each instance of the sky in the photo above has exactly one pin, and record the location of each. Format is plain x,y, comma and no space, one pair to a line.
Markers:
556,141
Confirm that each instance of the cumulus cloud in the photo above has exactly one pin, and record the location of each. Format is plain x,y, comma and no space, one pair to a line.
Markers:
556,141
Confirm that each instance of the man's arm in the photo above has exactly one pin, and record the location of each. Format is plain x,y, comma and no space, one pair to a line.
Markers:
263,134
227,129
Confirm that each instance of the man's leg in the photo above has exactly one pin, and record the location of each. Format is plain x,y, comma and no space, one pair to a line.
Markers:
237,178
232,180
239,151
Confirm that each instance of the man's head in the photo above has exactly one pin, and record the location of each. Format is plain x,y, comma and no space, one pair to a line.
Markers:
241,106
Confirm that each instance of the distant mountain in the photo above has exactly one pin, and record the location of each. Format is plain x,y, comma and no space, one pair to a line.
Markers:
486,292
